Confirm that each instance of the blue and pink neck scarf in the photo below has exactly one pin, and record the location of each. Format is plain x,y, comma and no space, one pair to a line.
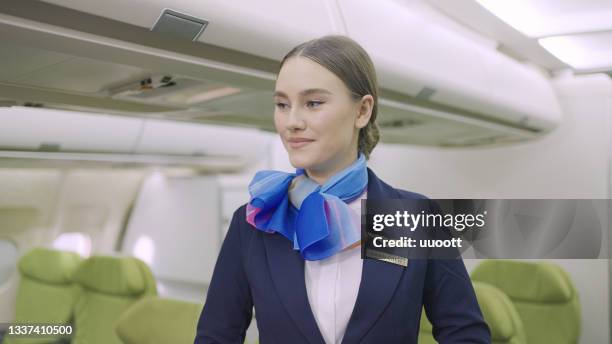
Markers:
316,218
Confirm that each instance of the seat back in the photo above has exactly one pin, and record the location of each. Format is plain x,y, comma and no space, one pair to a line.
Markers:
499,313
46,294
426,330
543,295
159,321
110,285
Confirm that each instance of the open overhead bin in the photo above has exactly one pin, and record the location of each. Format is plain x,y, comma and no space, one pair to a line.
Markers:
437,87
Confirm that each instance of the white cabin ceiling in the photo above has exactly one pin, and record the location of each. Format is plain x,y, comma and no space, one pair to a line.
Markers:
555,34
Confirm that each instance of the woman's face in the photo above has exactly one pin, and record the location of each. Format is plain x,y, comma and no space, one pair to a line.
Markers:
317,119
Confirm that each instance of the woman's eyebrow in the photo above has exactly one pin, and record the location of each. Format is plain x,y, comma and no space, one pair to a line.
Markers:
304,92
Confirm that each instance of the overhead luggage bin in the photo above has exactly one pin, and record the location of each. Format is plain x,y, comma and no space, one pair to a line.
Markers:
437,87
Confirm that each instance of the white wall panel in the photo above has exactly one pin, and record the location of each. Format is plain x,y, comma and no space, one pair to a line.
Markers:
175,227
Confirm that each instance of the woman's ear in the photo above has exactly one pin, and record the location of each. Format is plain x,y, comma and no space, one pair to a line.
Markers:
365,106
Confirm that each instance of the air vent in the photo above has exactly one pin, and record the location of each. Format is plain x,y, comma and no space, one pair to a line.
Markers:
31,104
425,93
399,123
177,91
49,147
180,25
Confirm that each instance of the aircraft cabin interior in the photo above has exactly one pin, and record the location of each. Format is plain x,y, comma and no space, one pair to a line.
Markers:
131,132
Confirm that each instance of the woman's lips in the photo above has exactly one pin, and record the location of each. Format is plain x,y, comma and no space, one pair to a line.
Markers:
298,143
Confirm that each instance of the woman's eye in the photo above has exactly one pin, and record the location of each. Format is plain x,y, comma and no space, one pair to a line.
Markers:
281,106
313,103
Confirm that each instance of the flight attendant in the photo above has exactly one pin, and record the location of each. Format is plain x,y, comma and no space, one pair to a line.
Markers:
292,252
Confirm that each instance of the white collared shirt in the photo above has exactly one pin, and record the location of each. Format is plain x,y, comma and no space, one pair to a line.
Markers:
332,285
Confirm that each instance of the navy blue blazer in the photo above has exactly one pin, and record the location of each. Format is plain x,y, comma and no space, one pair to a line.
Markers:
262,270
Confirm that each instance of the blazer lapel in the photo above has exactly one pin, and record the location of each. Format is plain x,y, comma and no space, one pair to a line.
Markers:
378,279
287,271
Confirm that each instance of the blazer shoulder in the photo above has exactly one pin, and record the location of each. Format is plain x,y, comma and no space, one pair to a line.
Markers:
238,218
240,225
392,192
240,213
410,194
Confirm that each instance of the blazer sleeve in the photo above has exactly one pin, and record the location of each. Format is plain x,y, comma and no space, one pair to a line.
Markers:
451,305
450,301
228,308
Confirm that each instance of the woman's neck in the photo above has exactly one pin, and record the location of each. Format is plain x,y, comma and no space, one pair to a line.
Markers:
322,174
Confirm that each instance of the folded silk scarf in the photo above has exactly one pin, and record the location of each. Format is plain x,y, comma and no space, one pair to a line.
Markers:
314,217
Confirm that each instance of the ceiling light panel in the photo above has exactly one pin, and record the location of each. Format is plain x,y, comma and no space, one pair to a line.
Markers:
585,51
540,18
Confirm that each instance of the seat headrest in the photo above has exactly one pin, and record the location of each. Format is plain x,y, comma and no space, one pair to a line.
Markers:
425,324
499,312
148,321
529,282
50,266
121,276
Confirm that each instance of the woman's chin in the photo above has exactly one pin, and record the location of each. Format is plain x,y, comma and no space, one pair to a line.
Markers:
300,160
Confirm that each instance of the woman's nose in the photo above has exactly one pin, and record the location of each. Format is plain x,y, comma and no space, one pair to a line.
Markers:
295,121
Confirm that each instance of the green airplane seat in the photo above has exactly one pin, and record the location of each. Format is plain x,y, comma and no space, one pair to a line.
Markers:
110,285
159,321
499,313
46,294
543,295
426,330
